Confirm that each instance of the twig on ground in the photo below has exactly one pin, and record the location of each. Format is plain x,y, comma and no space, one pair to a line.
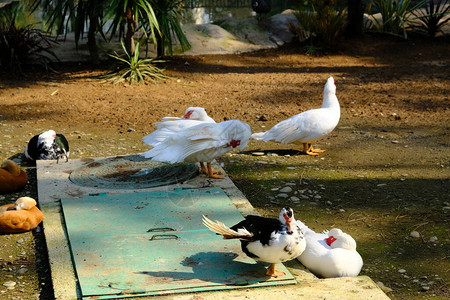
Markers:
354,220
301,177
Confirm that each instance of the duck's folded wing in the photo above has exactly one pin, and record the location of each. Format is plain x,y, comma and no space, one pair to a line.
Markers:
11,222
171,119
295,128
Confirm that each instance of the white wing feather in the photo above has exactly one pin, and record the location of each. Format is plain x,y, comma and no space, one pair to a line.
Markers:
227,233
167,128
207,140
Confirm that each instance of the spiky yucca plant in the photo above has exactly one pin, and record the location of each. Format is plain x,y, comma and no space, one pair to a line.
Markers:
394,15
321,22
432,17
20,42
135,69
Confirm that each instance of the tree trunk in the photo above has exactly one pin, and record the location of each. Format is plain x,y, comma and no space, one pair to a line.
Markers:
129,36
160,51
355,17
92,43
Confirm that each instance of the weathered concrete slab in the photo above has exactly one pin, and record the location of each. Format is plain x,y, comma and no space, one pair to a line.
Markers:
54,184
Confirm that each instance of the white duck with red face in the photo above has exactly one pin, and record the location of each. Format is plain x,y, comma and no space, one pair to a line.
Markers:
198,114
330,254
265,239
169,125
309,126
201,143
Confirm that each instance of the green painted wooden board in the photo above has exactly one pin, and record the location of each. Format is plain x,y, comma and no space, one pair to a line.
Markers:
152,243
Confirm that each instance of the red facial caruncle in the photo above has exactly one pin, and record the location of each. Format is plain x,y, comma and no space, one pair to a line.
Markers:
235,143
288,223
329,240
188,114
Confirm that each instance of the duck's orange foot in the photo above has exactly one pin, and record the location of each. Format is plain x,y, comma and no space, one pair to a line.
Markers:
309,152
271,271
317,150
217,176
212,173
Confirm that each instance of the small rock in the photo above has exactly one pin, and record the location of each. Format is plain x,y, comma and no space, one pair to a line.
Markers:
131,130
381,184
402,271
433,239
262,118
425,288
286,189
9,284
258,153
383,287
262,162
295,199
394,142
414,234
282,195
22,271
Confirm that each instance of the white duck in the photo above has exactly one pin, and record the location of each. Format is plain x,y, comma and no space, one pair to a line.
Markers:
308,126
169,125
265,239
193,113
330,254
202,143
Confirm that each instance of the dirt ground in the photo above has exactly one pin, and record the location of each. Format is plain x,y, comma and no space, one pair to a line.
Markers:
385,172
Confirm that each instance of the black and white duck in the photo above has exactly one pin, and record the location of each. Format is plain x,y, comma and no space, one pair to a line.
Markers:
47,145
265,239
